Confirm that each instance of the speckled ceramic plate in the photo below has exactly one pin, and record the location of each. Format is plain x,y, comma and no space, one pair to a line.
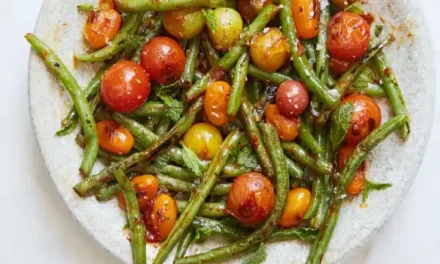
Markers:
60,26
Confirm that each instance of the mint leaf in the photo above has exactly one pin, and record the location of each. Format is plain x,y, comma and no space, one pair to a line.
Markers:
340,124
191,160
211,20
202,234
257,257
373,186
247,158
175,110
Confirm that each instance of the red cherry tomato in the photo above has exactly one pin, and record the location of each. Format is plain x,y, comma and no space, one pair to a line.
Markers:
348,35
251,198
292,98
163,59
338,66
366,117
125,86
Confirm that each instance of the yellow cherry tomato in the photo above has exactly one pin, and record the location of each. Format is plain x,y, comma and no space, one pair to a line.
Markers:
204,139
224,26
306,14
184,23
162,217
269,49
298,203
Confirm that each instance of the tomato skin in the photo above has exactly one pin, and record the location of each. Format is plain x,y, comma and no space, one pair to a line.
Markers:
348,36
184,23
292,98
366,117
113,137
101,27
204,139
125,86
306,14
338,66
146,188
163,59
357,183
216,103
298,202
287,128
251,198
228,26
269,49
161,218
249,9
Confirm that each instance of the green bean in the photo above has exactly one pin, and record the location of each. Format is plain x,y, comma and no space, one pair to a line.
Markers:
150,108
371,90
322,61
215,210
86,7
57,67
233,170
175,185
310,49
151,122
142,135
153,32
296,152
163,127
106,192
116,45
240,76
300,233
164,5
198,196
274,77
317,190
231,57
253,90
307,138
79,139
354,161
176,132
255,137
210,52
184,243
137,228
260,106
294,170
301,63
168,169
219,228
282,182
192,53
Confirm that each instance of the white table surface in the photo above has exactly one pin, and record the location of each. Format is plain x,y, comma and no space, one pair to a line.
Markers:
36,226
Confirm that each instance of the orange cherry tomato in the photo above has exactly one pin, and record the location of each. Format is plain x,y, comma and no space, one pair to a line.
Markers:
251,198
146,188
269,49
357,184
106,4
366,117
287,128
298,202
101,27
163,59
249,9
216,103
338,66
306,14
348,36
125,86
113,137
161,218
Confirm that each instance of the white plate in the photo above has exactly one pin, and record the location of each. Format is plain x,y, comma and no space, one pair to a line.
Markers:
60,26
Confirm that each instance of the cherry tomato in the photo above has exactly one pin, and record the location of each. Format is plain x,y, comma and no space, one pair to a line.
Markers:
184,23
292,98
249,9
357,184
163,59
216,103
306,14
366,117
224,28
251,198
101,27
298,202
106,4
343,3
113,137
338,66
269,49
204,139
287,128
146,188
125,86
161,218
348,35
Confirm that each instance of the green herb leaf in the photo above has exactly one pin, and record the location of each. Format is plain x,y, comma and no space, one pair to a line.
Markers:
201,234
373,186
175,110
257,257
341,119
211,20
132,42
191,160
247,158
